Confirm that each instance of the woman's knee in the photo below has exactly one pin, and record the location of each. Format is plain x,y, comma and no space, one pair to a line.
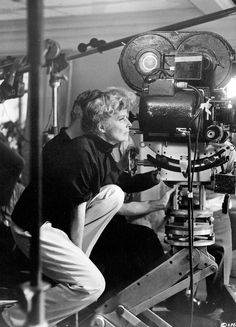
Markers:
91,287
115,193
96,285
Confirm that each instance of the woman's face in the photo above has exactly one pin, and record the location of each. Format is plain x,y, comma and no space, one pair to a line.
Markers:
116,127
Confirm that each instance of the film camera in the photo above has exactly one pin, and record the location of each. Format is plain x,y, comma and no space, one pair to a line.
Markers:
185,118
175,73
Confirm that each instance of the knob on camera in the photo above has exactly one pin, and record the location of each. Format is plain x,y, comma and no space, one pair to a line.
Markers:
94,43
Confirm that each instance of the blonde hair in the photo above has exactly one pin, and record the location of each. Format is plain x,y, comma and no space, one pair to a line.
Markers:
98,106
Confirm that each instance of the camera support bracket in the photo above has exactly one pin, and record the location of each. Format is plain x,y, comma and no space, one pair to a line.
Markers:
167,279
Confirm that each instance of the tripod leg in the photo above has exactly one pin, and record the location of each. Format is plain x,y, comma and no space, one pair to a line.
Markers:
158,321
169,278
159,279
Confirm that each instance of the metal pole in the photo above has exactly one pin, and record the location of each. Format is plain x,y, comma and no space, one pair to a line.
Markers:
54,123
54,83
35,37
173,27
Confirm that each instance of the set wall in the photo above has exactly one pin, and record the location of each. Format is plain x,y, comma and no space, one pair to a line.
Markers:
96,71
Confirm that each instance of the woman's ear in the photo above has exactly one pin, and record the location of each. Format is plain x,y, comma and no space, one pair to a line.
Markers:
78,112
101,128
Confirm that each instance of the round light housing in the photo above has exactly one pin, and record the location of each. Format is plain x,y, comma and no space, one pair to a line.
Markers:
147,62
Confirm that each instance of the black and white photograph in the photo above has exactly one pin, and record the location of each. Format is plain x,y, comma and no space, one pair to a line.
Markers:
117,163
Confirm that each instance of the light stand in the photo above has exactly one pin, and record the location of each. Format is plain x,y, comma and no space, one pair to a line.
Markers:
55,62
54,83
36,316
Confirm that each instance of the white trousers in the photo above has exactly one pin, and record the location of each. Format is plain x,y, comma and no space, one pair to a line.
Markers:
79,281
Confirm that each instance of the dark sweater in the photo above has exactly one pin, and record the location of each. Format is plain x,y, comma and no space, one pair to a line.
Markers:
74,170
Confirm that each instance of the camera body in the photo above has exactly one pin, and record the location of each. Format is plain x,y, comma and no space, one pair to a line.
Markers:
180,79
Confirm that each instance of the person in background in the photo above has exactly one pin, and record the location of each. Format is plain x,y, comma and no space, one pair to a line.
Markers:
11,166
7,209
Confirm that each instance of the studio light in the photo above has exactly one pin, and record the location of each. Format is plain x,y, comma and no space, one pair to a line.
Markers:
230,88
